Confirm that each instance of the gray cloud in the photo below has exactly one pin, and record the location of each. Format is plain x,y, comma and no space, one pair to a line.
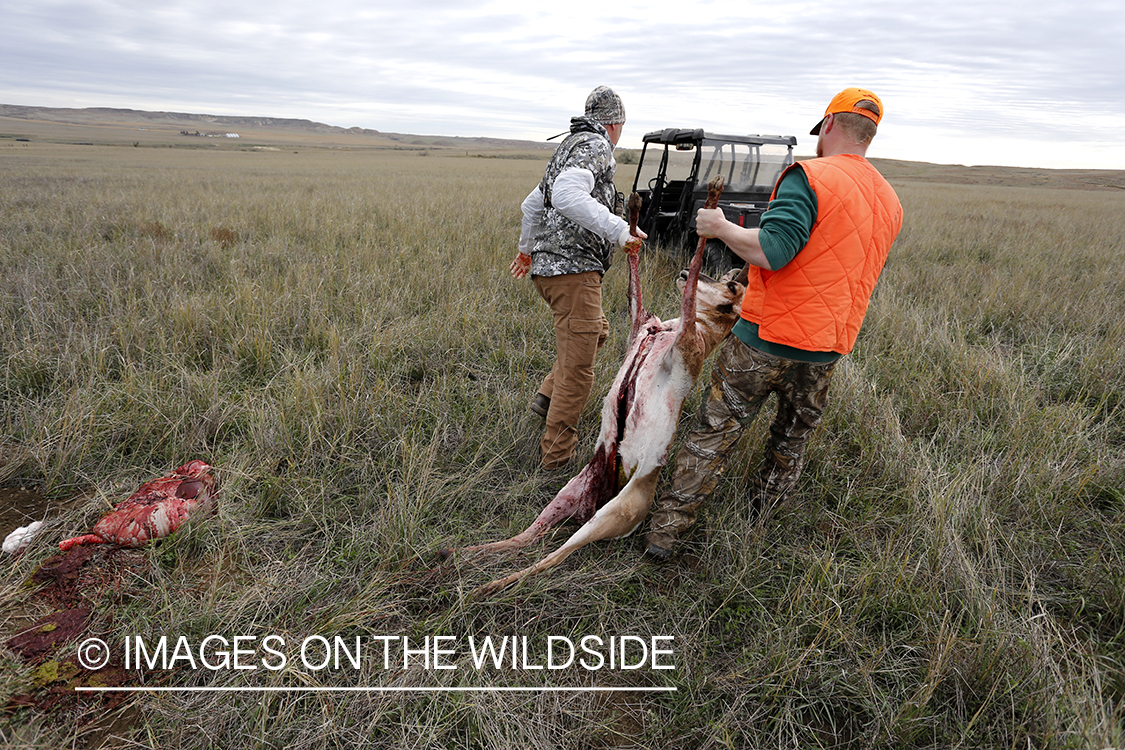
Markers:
952,74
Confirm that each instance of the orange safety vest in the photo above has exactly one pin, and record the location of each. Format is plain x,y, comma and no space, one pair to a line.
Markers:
818,300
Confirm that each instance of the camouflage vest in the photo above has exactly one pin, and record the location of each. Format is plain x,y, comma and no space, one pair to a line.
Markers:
560,245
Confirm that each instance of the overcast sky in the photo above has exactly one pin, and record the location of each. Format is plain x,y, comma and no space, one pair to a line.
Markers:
1032,83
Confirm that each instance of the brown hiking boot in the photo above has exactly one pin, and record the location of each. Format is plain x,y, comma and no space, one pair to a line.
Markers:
540,405
657,552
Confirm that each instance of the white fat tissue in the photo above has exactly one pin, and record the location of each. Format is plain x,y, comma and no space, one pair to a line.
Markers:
18,540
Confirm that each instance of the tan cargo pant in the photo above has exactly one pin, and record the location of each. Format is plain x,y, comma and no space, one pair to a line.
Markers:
741,380
580,330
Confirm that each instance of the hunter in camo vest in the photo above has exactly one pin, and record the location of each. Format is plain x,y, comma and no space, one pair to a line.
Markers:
572,224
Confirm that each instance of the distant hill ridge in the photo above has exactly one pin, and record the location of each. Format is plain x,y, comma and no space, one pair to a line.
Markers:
84,115
280,128
111,115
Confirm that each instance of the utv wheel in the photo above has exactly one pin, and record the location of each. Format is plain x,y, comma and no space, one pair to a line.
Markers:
717,258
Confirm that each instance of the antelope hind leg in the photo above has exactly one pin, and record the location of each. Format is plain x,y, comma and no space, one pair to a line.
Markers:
579,492
617,518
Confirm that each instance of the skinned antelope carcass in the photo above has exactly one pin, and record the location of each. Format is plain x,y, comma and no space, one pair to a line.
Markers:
155,510
612,495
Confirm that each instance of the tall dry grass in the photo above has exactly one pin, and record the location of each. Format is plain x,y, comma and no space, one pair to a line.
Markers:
337,333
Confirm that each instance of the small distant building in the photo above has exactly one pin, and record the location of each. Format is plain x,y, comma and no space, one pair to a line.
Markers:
232,135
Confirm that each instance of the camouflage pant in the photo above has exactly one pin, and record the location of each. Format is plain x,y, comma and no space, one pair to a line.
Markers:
741,380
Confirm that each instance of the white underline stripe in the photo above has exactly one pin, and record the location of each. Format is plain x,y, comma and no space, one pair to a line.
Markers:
376,689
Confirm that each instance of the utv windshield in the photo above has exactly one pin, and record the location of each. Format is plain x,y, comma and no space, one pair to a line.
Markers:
745,167
679,164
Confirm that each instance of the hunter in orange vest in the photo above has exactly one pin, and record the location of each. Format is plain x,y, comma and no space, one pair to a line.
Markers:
818,300
812,265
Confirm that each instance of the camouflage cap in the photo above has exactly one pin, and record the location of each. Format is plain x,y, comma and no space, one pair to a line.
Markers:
603,105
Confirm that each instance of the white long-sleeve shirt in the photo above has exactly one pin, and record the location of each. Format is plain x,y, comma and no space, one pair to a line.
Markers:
571,197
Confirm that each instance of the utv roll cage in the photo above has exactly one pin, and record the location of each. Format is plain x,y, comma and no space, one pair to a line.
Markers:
675,167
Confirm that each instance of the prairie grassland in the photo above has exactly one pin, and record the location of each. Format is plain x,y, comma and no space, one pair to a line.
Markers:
337,333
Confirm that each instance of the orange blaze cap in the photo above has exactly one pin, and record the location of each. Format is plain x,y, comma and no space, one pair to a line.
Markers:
846,101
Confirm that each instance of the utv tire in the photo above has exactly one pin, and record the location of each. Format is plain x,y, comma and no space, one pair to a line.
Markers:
717,258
